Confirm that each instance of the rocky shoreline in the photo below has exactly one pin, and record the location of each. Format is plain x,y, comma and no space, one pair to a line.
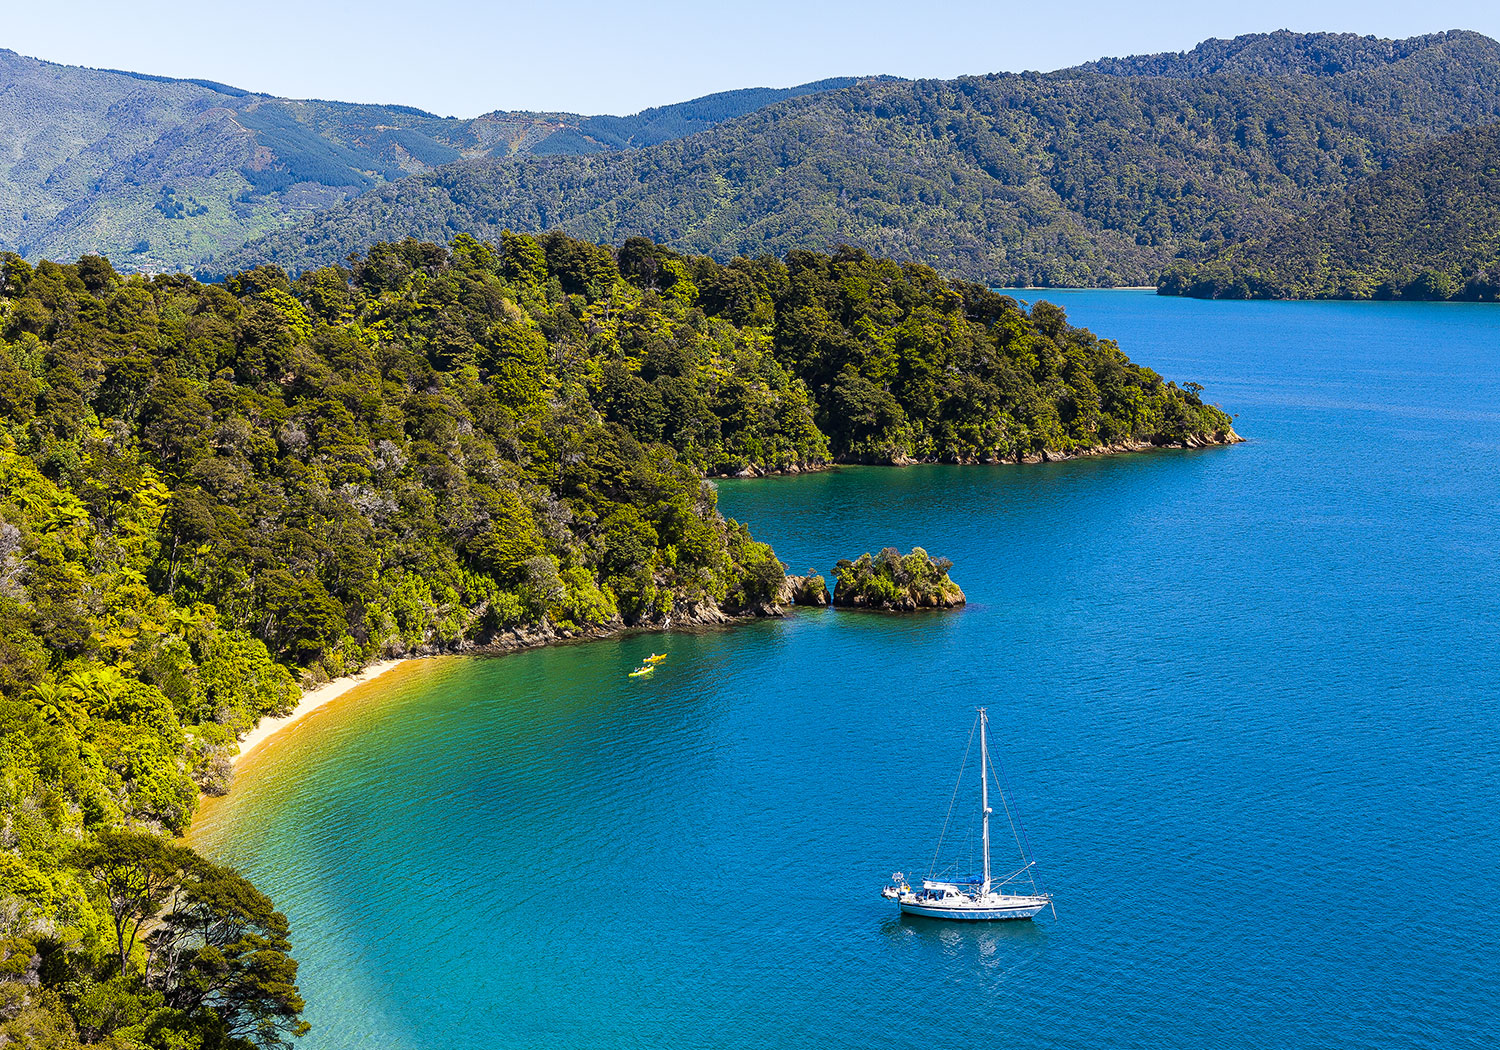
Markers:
1202,439
810,590
795,590
701,615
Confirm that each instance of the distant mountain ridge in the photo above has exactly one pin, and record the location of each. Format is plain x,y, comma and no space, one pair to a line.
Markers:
1427,228
663,123
164,173
1097,175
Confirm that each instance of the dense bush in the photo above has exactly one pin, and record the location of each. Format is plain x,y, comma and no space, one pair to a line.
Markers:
209,492
93,152
896,582
1429,228
1093,176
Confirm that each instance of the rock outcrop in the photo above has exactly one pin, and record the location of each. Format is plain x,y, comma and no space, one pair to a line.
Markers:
811,589
1201,439
703,613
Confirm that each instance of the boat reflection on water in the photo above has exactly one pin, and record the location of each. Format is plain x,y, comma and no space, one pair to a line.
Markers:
905,928
989,955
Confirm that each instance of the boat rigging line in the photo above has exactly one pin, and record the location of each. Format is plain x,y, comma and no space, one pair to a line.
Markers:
1027,852
932,868
972,898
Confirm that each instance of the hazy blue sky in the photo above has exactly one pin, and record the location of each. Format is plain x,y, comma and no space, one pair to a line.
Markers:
465,58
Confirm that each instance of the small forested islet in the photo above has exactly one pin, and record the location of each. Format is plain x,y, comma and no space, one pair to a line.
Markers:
895,582
213,494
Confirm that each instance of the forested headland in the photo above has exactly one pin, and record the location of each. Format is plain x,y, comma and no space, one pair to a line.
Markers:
211,494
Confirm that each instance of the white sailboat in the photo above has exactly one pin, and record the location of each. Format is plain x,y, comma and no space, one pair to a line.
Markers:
979,898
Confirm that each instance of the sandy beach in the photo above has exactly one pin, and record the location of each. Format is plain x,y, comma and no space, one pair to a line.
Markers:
310,702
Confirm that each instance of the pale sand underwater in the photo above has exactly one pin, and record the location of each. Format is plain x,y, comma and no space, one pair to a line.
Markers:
312,699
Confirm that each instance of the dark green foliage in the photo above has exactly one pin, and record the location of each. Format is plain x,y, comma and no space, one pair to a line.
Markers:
208,492
173,207
1429,228
134,872
419,147
302,154
1074,177
1274,54
904,365
214,971
566,142
894,582
662,123
222,952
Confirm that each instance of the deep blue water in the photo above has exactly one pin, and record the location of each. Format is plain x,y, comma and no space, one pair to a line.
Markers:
1246,698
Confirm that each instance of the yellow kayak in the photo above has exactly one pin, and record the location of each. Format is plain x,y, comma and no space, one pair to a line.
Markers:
642,672
655,658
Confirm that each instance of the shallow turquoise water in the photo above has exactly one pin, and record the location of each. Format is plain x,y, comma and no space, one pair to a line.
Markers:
1246,698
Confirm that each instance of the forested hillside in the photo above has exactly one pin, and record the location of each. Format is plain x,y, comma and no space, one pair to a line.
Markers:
1275,54
1101,175
1429,228
663,123
165,174
1075,177
211,493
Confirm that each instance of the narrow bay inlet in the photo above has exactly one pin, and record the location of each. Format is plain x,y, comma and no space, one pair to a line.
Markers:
1184,727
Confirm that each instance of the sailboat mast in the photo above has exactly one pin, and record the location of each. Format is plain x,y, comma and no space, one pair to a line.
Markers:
984,792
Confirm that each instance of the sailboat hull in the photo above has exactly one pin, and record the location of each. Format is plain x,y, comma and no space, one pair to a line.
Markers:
1016,908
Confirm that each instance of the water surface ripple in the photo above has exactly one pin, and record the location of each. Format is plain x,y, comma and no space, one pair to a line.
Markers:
1246,700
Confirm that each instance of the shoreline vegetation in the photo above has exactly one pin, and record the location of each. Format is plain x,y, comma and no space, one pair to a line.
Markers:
1423,230
213,493
808,590
888,581
1204,439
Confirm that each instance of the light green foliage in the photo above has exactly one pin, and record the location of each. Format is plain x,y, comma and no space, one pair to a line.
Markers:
208,492
583,603
761,573
441,442
140,742
34,1020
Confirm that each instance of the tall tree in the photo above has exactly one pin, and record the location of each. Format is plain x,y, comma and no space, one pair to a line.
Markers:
224,948
135,871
